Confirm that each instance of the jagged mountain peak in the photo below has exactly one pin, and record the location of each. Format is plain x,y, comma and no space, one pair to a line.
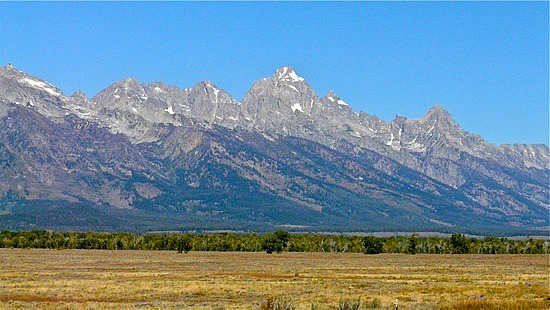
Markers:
127,83
287,74
10,71
122,90
437,110
206,84
211,93
332,97
7,67
273,103
399,119
79,95
437,115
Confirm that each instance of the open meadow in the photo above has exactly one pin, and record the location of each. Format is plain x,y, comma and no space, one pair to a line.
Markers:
103,279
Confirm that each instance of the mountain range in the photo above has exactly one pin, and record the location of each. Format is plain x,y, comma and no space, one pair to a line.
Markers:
141,157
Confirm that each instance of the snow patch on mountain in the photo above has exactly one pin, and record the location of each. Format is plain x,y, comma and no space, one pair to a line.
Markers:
170,110
292,86
42,86
297,107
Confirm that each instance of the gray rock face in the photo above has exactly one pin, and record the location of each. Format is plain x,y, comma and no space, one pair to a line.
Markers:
281,140
21,89
279,104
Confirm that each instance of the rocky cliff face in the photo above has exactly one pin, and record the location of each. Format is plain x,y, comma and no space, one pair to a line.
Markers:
281,156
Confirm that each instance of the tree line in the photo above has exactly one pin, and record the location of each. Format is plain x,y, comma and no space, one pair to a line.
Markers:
279,241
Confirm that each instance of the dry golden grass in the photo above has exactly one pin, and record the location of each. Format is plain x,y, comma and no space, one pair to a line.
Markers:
89,279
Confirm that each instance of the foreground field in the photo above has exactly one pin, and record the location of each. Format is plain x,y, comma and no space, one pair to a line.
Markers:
91,279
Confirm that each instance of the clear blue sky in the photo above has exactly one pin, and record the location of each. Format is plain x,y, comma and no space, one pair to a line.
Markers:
486,63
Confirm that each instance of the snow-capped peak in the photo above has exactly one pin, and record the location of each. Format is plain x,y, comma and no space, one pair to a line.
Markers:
287,74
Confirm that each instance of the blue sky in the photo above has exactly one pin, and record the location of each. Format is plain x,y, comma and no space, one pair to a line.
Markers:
485,62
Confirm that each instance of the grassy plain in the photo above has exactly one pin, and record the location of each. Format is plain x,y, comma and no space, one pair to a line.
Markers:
93,279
